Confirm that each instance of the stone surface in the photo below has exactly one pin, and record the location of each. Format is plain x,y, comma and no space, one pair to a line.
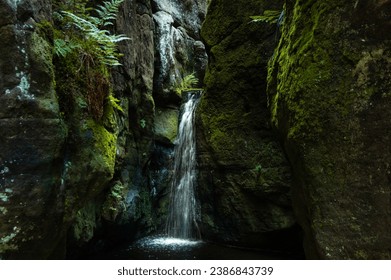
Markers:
32,136
329,93
179,50
244,177
67,175
166,125
134,202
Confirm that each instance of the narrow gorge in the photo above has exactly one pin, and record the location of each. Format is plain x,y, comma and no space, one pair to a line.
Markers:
195,129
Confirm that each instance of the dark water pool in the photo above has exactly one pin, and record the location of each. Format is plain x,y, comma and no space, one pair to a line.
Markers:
164,248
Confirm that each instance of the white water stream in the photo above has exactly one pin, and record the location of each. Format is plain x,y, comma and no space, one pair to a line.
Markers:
182,212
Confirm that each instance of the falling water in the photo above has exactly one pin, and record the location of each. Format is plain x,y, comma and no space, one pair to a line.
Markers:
182,212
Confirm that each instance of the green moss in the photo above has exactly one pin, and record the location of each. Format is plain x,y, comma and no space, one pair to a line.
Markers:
221,126
166,124
302,75
104,143
45,29
114,203
84,223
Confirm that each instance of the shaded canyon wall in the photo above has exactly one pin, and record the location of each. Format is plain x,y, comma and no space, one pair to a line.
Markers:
244,177
329,94
68,179
315,87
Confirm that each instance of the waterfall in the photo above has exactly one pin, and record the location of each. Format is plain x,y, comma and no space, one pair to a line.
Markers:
182,211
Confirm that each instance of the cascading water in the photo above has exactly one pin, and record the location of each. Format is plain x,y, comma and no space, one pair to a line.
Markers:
182,212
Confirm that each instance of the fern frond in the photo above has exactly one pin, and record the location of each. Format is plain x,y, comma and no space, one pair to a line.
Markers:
187,83
99,42
108,12
82,24
190,81
269,16
62,48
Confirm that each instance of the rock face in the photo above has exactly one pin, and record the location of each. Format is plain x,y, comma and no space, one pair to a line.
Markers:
329,94
164,47
67,178
32,135
295,113
244,177
179,51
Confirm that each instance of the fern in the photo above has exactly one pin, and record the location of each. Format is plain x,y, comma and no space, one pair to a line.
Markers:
187,83
269,16
108,12
104,44
63,48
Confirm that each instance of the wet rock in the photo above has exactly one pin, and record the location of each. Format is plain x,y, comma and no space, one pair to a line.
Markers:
166,125
32,136
179,51
244,177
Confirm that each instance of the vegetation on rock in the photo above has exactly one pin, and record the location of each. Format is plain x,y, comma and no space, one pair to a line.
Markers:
85,49
188,83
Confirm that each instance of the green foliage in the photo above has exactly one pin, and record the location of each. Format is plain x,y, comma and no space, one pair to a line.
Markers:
114,102
187,83
85,34
62,48
258,168
269,16
114,203
84,50
107,12
143,123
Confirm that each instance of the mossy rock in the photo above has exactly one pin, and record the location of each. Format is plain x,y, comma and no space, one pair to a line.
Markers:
166,125
328,90
244,177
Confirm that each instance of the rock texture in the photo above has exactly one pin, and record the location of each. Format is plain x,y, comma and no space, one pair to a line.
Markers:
244,177
32,135
164,47
134,203
68,178
329,94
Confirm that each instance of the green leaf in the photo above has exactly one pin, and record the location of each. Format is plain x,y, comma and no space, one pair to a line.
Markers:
269,16
114,102
105,44
187,83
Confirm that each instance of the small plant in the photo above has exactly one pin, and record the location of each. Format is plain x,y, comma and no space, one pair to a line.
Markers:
107,13
114,102
143,123
62,48
258,168
89,38
84,50
187,83
115,202
269,16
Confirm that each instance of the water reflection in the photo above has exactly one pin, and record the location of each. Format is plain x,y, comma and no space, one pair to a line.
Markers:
167,248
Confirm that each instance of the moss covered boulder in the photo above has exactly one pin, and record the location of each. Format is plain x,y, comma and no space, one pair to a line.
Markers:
244,177
329,94
166,125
